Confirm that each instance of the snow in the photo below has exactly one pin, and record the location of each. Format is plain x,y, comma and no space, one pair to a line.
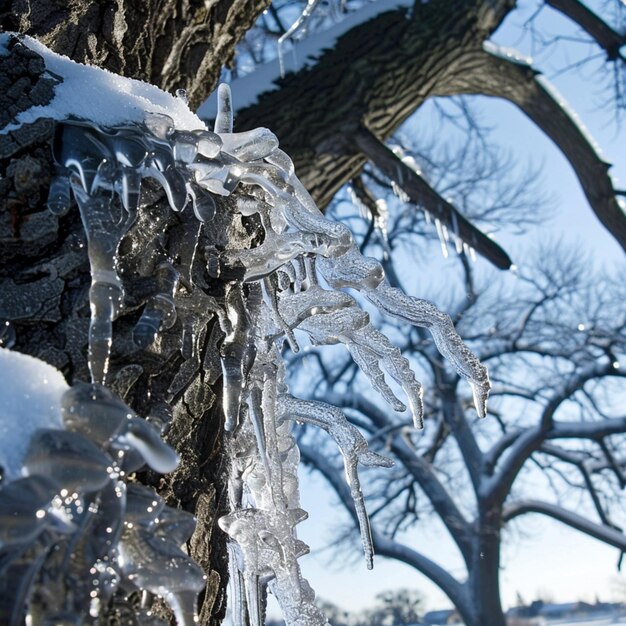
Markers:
247,89
30,398
91,93
506,53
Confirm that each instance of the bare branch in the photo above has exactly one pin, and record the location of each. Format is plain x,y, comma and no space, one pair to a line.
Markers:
604,533
422,194
514,80
529,440
607,38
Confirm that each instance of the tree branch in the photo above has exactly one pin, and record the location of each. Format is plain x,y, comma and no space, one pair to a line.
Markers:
422,194
603,533
497,487
514,80
607,38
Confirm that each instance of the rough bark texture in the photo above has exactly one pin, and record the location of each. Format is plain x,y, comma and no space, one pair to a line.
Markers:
44,284
175,44
380,72
376,76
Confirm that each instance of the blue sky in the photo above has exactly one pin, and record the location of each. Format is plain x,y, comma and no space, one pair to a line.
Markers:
543,558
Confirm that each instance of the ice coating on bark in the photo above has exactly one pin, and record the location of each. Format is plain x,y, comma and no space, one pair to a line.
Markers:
270,290
160,312
72,524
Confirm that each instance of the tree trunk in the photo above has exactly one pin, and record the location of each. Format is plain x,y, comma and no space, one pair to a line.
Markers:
484,579
174,44
377,75
44,269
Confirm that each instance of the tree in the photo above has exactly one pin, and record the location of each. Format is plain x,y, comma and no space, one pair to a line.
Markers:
436,49
399,607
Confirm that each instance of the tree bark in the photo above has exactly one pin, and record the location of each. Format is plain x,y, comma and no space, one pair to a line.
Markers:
376,76
44,269
174,44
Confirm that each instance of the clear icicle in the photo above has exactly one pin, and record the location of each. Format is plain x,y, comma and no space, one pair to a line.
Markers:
106,293
224,118
425,314
299,26
442,238
160,312
353,448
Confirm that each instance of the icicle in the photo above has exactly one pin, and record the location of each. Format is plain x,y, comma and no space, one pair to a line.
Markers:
59,195
353,449
158,565
299,26
270,285
425,314
442,240
160,312
224,118
371,350
106,294
233,352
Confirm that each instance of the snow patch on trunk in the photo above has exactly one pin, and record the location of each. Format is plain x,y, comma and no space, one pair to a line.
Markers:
30,398
91,93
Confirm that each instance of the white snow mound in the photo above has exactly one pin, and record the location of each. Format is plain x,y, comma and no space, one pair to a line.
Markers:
30,398
91,93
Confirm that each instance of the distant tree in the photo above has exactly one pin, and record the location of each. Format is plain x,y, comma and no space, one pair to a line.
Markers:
397,607
555,342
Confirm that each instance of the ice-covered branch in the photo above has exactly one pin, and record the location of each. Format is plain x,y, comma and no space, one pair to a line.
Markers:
500,75
421,470
384,546
424,196
604,533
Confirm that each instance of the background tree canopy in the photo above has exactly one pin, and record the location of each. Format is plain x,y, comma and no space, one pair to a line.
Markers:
554,342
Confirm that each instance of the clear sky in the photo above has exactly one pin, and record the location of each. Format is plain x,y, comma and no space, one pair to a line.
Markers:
543,558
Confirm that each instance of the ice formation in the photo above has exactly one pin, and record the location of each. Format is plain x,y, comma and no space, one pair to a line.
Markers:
294,279
68,519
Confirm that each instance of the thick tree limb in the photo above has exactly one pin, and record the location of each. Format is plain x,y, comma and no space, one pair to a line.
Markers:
605,36
377,74
513,80
165,42
604,533
422,194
